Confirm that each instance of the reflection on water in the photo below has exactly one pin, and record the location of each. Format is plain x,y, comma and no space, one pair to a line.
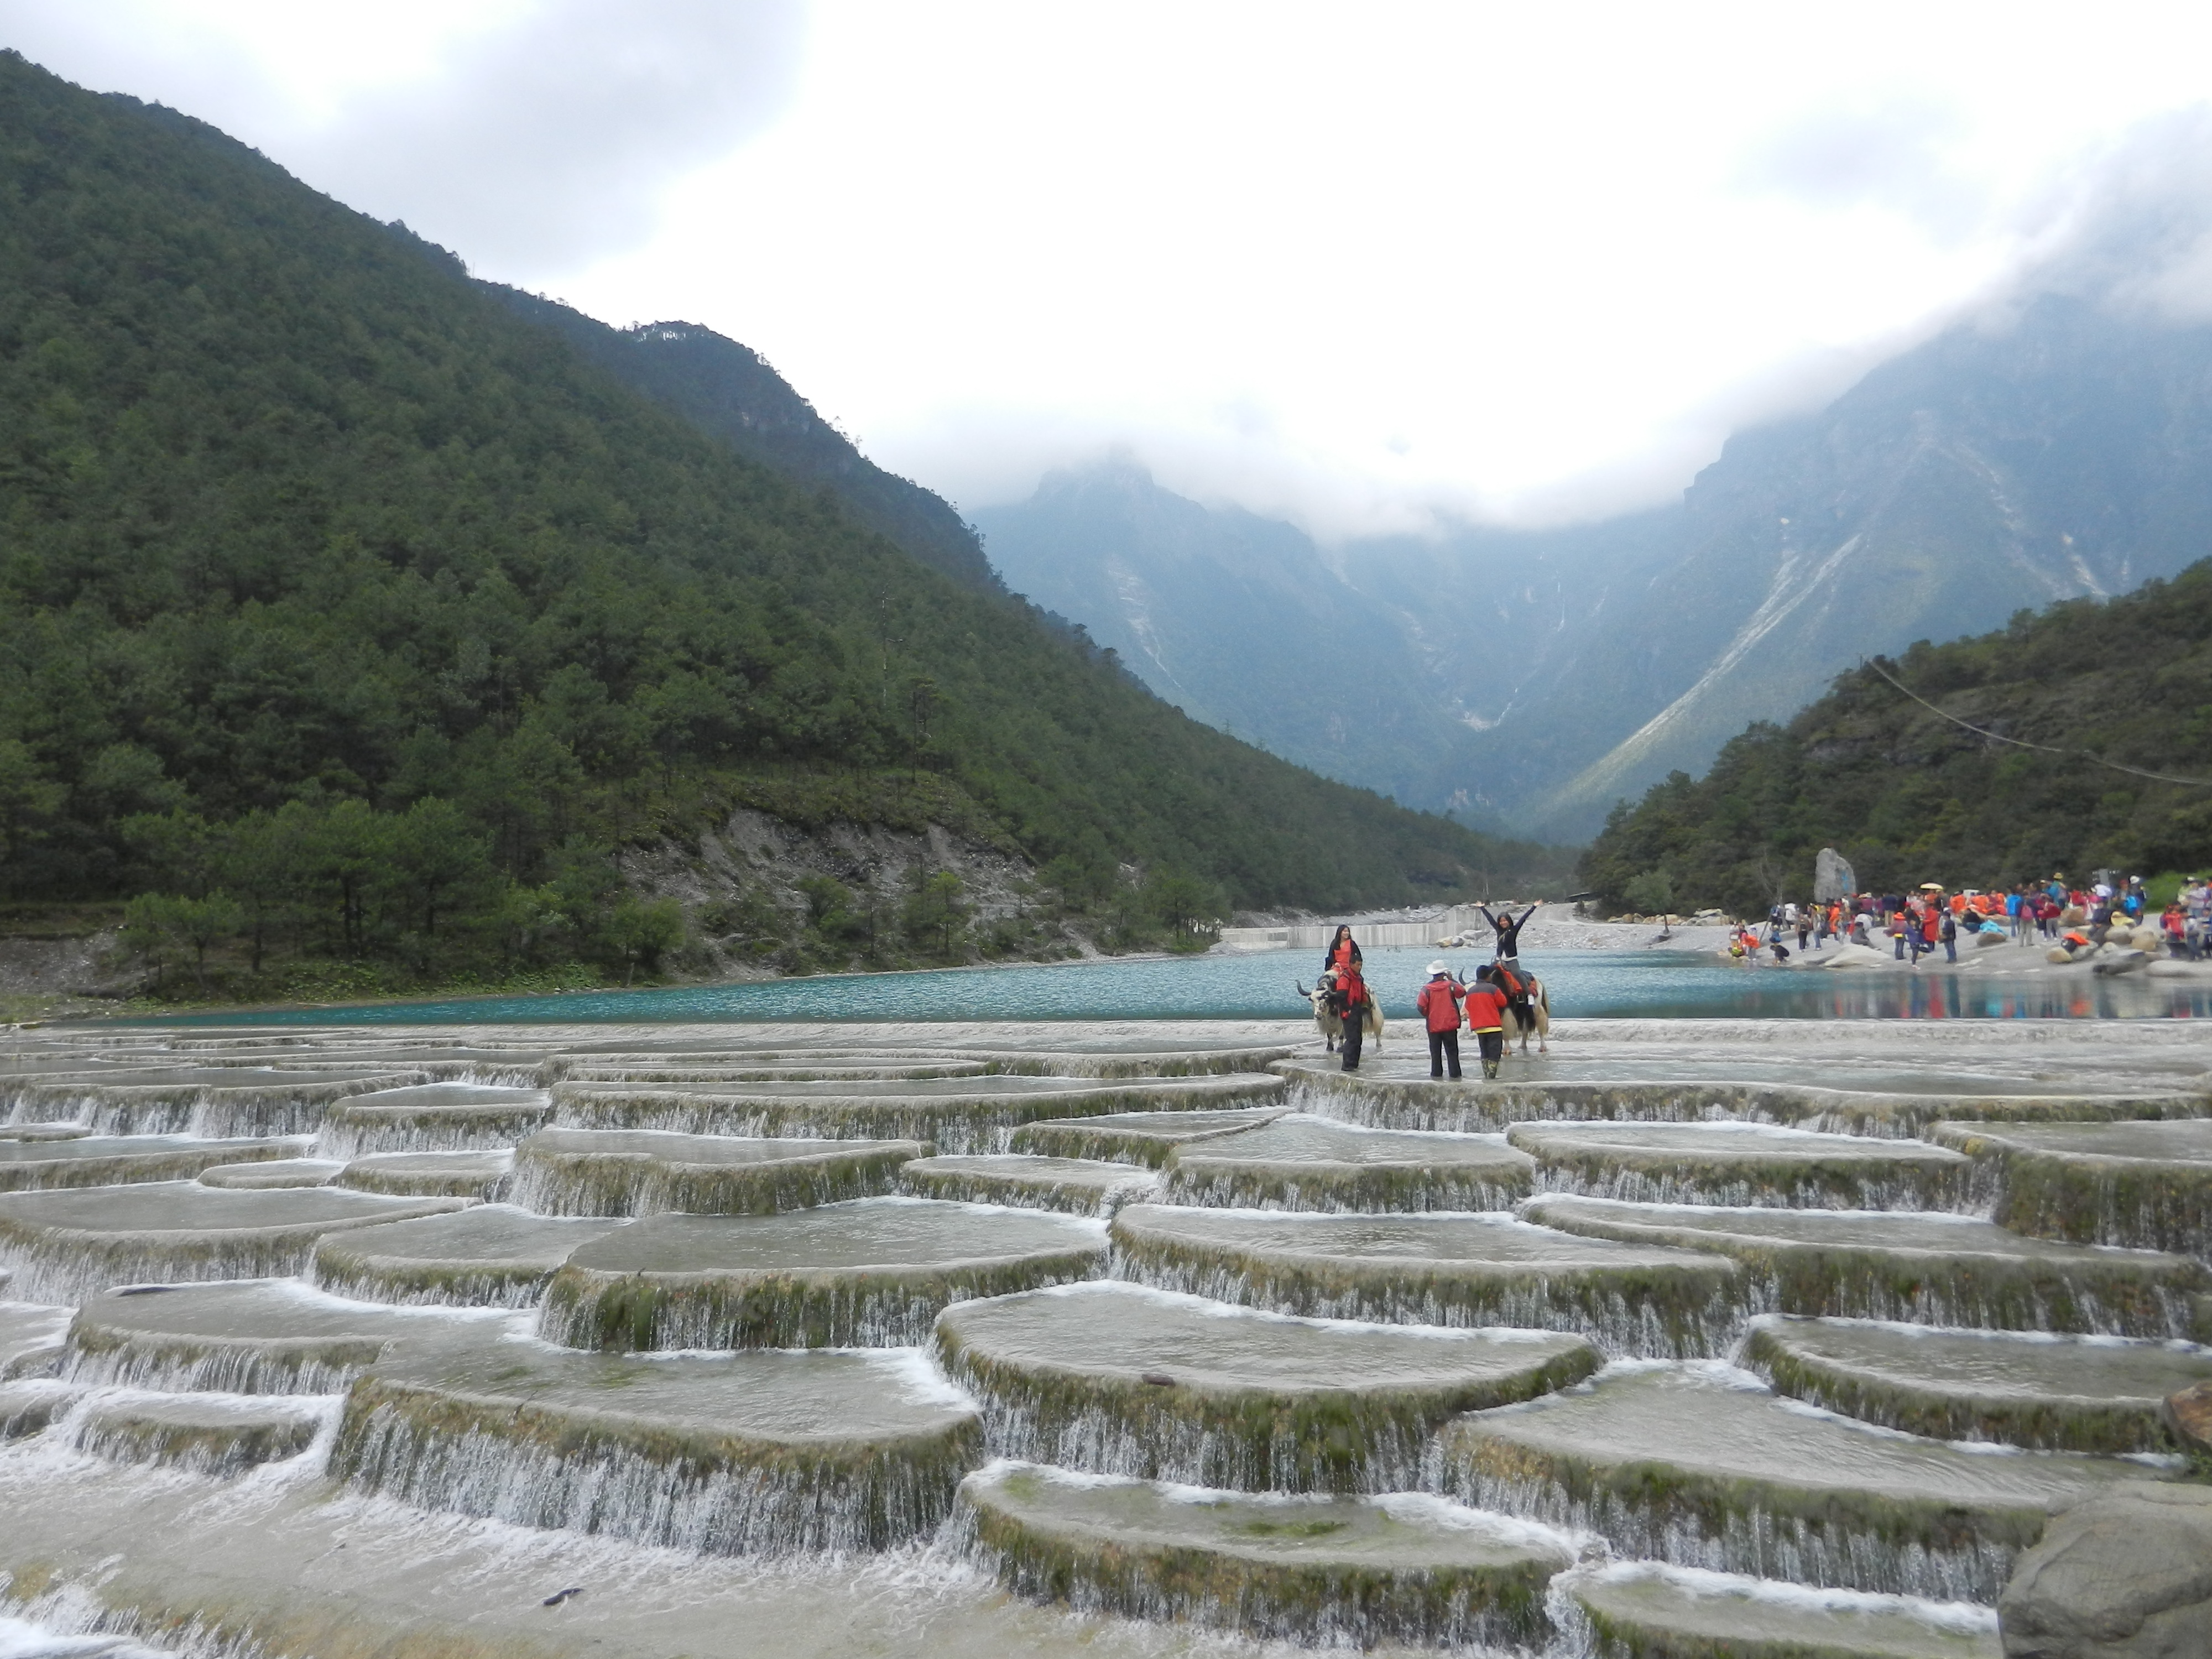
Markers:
1587,983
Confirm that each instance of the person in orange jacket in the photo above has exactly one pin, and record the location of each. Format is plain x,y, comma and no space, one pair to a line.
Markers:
1439,1003
1348,1000
1485,1017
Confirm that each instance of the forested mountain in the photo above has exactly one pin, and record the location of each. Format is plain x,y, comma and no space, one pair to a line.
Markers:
2009,463
2091,697
334,592
729,389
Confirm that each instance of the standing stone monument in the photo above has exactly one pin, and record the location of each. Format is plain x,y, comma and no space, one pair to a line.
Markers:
1833,878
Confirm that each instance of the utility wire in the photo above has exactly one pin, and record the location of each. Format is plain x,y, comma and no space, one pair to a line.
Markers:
2020,742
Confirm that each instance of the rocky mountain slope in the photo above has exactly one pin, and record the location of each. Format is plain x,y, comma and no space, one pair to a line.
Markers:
729,391
1540,676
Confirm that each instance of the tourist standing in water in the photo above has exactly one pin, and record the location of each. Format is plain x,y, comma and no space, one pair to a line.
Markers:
1509,928
1347,999
1485,1017
1439,1003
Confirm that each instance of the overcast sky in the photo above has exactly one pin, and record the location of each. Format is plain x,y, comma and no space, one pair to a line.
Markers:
1356,264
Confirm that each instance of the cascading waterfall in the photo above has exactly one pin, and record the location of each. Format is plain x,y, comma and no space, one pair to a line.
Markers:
1758,1543
517,1466
1644,1321
624,1409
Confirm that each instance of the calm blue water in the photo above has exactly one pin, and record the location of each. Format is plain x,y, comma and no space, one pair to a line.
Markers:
1589,983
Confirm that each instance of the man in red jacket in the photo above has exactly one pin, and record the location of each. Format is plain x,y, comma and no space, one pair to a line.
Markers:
1485,1017
1439,1005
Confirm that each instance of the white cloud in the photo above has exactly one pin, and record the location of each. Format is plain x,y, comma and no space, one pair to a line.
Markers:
1360,266
529,137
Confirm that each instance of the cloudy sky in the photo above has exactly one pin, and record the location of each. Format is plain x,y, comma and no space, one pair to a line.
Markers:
1359,265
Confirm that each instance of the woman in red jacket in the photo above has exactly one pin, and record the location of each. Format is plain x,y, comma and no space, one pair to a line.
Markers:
1343,953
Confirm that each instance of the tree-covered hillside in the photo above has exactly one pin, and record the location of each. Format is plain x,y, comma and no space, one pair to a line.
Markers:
337,595
728,391
1909,795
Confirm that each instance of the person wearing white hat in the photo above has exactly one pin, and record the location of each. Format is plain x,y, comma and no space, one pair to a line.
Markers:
1439,1004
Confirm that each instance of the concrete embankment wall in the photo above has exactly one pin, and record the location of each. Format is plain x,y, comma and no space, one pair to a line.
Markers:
1374,935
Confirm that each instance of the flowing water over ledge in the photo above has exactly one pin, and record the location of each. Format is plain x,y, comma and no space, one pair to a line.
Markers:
1357,1308
1590,984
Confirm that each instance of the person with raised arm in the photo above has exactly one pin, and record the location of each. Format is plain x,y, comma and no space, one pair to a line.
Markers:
1508,926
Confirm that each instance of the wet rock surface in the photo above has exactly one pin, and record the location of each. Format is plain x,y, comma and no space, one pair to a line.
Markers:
732,1453
1476,1269
31,1337
250,1336
1122,1380
1147,1138
437,1117
1927,1267
206,1434
1741,1163
107,1160
480,1176
1307,1162
1403,1569
633,1172
2052,1393
874,1273
955,1115
2143,1184
2124,1575
1700,1467
1639,1609
489,1255
273,1172
1080,1186
76,1240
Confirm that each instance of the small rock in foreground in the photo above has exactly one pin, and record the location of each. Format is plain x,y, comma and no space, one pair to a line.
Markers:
2126,1575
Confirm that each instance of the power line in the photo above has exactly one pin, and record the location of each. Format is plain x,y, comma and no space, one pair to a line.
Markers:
2021,743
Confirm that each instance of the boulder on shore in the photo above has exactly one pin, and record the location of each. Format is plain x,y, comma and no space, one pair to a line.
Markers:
2126,1575
1832,876
1848,955
2188,1417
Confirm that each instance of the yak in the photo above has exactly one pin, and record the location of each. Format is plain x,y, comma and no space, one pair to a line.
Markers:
1331,1027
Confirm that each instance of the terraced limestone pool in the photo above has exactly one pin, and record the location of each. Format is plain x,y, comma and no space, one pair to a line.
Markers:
1133,1338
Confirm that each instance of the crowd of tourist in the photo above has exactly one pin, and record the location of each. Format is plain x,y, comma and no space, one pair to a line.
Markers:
1933,919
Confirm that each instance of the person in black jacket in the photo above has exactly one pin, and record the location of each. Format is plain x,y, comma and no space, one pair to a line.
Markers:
1509,929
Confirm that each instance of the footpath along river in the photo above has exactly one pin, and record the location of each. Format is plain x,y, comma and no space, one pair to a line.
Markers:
1583,984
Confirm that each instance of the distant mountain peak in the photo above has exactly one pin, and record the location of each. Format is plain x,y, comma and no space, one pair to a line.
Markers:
2062,449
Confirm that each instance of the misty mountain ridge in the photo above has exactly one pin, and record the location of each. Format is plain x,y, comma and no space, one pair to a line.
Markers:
1534,677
